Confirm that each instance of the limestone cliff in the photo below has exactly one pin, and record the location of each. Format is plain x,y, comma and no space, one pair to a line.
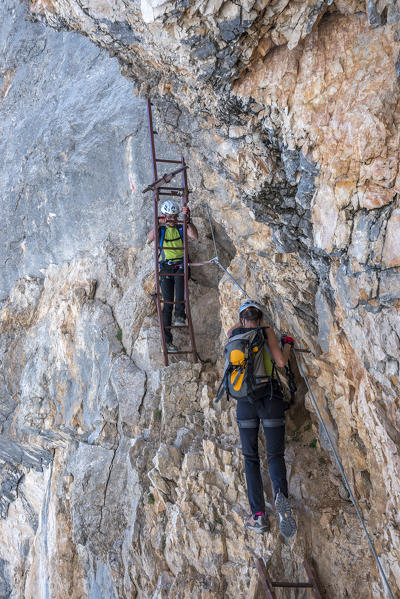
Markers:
121,478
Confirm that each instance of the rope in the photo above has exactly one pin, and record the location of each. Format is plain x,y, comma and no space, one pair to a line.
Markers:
201,263
316,408
229,275
342,472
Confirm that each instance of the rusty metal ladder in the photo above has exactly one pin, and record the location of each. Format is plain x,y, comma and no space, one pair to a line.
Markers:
160,190
269,585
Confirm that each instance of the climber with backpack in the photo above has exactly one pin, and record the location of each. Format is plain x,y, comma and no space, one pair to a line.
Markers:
252,355
170,234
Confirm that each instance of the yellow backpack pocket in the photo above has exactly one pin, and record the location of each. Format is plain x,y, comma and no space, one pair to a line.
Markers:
237,358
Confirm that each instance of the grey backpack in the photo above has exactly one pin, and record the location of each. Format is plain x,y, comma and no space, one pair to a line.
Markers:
244,373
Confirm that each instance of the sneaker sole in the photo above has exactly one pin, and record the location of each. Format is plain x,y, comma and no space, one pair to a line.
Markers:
287,524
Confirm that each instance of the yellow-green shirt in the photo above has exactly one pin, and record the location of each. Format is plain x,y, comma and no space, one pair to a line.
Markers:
172,240
267,362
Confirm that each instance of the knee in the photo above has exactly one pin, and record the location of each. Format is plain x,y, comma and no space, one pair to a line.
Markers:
276,455
251,456
249,438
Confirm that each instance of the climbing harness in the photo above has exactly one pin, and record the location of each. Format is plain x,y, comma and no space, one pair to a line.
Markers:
159,188
322,422
291,383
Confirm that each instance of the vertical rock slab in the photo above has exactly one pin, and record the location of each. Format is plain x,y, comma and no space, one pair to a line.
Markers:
74,143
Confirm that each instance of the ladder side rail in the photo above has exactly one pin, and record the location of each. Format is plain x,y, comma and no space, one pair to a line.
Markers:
156,198
185,198
157,279
265,579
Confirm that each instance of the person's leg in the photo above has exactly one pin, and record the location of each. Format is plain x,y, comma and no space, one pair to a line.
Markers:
274,429
270,410
167,290
179,295
275,438
248,423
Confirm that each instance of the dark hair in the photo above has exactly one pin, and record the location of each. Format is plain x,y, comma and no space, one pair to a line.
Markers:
251,313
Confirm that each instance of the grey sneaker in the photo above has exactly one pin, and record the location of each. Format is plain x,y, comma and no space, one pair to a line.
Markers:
287,524
259,523
171,348
179,321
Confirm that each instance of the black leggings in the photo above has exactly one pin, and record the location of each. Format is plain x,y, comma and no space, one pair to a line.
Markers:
168,285
270,412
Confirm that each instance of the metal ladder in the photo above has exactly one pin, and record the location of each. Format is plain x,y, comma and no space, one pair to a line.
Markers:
160,189
269,585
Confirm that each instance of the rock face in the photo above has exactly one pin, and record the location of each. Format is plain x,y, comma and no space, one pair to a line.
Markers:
122,478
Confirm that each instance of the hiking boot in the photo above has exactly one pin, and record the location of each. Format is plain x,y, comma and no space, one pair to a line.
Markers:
171,347
258,523
287,524
179,321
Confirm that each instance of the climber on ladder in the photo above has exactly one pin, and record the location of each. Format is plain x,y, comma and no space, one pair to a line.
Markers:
250,376
170,234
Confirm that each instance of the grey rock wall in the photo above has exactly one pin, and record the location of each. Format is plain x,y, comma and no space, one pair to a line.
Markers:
73,141
120,478
76,306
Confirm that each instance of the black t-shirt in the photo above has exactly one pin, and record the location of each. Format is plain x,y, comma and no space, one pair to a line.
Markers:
241,330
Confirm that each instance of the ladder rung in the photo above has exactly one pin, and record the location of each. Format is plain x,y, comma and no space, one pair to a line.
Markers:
175,194
186,351
178,222
293,585
167,247
177,326
178,274
164,160
164,302
173,188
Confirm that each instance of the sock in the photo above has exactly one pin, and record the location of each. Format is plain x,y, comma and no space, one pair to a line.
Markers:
283,493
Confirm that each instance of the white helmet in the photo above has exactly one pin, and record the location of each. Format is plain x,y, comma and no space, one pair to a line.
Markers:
170,207
250,304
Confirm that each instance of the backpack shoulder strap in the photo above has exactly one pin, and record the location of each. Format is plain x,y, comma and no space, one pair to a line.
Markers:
223,387
161,231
